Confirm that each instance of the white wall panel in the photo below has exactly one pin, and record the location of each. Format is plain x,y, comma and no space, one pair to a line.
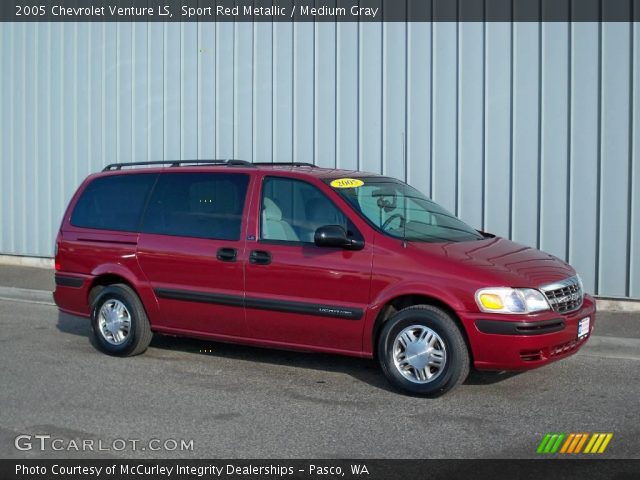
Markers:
528,130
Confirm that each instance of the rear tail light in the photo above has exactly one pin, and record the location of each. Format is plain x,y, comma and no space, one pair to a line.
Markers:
56,262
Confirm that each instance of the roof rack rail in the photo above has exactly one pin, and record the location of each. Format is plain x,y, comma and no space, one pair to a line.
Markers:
230,162
242,163
177,163
287,164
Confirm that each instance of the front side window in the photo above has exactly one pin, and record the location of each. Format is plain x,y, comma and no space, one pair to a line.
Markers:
114,202
401,211
292,211
201,205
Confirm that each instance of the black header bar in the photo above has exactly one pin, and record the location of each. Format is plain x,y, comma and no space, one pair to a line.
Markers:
319,10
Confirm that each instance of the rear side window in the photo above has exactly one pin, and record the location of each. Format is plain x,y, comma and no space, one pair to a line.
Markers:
113,203
202,205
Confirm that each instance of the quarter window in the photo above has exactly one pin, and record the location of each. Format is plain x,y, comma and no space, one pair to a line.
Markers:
114,202
201,205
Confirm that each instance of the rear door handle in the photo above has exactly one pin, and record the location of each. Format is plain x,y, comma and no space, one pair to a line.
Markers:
260,257
227,254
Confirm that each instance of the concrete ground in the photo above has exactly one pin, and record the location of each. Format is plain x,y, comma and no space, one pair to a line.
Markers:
27,277
236,401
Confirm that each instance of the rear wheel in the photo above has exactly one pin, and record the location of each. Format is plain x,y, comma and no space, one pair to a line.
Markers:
120,324
422,351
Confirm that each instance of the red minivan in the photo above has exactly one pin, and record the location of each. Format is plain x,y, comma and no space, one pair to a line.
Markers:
299,257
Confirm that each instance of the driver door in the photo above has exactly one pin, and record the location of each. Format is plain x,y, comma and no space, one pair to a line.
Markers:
299,294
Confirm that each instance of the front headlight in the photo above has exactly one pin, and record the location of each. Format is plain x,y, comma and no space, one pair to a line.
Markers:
511,300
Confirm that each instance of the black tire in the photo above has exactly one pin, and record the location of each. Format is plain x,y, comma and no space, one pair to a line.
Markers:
139,335
456,363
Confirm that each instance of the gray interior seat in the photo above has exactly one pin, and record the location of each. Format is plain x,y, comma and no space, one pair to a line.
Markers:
274,228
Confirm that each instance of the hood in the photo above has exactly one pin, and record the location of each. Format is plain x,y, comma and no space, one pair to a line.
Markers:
500,261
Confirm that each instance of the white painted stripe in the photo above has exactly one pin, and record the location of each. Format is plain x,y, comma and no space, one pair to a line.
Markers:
616,305
612,347
26,295
23,261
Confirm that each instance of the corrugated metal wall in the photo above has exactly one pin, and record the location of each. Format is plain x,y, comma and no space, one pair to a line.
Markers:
527,130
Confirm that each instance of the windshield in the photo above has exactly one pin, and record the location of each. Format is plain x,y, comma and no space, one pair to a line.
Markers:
401,211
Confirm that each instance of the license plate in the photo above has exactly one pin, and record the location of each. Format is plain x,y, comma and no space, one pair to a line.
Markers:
583,327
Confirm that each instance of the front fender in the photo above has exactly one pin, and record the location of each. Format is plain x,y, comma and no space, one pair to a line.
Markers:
442,295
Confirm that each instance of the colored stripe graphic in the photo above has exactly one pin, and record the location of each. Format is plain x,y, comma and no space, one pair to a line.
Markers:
605,443
576,439
572,443
555,447
592,441
550,443
581,443
567,442
543,443
598,443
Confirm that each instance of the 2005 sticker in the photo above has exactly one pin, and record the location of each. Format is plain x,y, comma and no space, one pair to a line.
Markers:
346,183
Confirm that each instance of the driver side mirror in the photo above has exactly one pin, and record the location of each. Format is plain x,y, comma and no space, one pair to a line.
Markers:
335,236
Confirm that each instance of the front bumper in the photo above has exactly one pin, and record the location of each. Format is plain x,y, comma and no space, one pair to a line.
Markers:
522,342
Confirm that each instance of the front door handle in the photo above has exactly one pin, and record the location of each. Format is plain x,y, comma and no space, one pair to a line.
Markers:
227,254
260,257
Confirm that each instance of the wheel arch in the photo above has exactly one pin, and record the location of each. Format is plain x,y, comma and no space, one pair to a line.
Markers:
104,280
109,274
402,301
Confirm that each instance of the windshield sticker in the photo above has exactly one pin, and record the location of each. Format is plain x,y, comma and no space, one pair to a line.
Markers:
346,183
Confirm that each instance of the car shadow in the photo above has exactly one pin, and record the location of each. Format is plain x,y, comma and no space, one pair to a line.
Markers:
362,369
73,324
488,378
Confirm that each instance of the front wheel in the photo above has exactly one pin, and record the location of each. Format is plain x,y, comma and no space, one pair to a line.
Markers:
422,351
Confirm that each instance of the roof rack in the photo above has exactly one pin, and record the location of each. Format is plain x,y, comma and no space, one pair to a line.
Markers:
177,163
230,162
287,164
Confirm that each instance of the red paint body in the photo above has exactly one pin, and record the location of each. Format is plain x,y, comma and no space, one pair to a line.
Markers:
447,274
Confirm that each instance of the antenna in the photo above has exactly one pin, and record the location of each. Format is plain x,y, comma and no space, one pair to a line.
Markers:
404,222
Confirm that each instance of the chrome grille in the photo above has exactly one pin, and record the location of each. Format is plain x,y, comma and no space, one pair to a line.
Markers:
564,296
